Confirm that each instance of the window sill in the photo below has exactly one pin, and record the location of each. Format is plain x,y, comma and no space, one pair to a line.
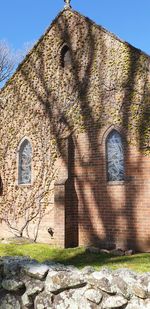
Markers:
23,185
116,183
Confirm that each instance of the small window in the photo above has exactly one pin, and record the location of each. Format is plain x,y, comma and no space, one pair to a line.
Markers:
115,157
1,186
24,164
65,57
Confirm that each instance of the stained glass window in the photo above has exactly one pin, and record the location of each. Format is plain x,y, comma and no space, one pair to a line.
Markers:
25,157
115,157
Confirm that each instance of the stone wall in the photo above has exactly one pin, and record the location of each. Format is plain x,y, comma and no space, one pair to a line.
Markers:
28,284
105,86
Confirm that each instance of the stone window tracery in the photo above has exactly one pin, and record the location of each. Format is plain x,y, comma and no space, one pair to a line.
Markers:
115,157
25,159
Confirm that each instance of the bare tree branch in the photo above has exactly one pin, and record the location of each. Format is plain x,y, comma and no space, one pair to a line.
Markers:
10,59
7,61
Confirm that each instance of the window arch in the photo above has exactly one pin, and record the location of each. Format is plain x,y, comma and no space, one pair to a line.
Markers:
65,56
24,162
115,156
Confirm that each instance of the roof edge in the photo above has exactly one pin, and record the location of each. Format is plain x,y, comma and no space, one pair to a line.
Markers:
51,25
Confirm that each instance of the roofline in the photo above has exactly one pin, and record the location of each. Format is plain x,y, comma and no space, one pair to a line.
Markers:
49,28
111,34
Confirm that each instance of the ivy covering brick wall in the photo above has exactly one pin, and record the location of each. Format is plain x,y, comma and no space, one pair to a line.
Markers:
105,86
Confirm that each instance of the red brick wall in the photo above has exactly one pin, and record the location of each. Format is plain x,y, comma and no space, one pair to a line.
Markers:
107,214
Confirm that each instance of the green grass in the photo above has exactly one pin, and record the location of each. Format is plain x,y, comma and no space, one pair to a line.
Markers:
77,257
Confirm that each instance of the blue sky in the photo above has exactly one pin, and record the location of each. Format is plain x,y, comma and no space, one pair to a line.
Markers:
23,21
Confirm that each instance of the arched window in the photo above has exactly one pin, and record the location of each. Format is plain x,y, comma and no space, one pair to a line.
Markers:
65,56
24,164
115,156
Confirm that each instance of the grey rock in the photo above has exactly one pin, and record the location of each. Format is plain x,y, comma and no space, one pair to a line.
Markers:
148,288
128,252
87,270
55,286
26,300
117,252
106,271
72,300
136,303
93,249
125,272
128,276
9,302
113,302
34,287
147,303
72,268
93,295
11,268
43,301
105,251
62,280
13,265
103,273
38,271
106,286
144,279
12,284
139,291
121,286
134,306
102,283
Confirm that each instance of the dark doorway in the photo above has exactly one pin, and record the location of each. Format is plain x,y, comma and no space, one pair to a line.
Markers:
71,200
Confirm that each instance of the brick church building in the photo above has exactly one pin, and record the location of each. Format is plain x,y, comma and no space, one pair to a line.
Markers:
75,140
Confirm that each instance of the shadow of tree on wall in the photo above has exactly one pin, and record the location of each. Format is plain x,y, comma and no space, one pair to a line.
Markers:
91,180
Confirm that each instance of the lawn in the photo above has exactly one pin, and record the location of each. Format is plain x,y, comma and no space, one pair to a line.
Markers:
77,257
